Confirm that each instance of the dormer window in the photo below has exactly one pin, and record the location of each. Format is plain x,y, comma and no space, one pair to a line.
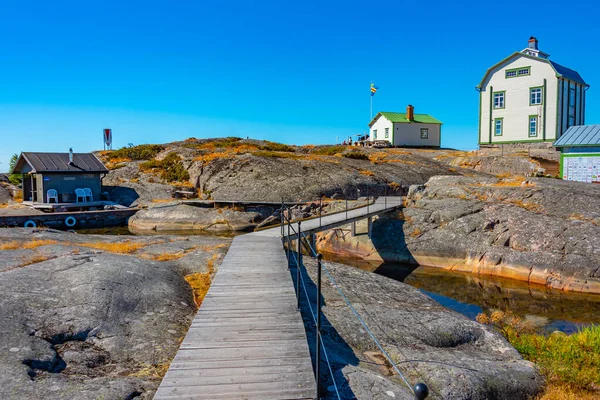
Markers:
514,72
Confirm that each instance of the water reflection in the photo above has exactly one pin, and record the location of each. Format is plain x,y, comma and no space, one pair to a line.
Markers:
471,294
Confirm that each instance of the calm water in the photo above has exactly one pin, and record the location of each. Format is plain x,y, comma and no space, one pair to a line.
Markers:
470,295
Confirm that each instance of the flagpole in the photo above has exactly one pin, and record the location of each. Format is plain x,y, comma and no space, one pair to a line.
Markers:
371,107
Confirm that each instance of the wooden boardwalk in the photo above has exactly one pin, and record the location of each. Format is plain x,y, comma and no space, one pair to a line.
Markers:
248,340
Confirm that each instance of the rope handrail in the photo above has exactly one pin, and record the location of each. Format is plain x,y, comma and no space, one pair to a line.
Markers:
312,313
387,356
420,390
366,327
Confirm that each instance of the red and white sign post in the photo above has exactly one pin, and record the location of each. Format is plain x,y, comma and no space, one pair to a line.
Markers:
107,134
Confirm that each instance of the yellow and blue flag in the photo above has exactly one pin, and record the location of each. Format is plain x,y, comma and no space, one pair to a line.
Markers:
373,89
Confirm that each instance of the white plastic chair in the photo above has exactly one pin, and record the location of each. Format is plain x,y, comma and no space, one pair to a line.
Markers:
88,193
79,194
51,194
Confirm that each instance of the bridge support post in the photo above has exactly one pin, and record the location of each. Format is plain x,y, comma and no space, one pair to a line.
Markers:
353,229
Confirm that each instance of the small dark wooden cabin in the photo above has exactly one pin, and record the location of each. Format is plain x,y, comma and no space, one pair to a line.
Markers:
63,172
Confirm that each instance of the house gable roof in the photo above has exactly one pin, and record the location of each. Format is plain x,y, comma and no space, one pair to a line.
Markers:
59,162
401,118
580,136
561,72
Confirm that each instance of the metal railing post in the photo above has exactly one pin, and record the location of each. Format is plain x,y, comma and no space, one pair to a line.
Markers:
299,259
385,195
318,350
345,197
289,243
320,208
367,198
281,217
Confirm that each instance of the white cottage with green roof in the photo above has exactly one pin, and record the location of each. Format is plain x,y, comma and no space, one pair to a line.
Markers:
528,98
406,129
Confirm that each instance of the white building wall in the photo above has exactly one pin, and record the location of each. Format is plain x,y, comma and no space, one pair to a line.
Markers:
409,134
517,110
380,126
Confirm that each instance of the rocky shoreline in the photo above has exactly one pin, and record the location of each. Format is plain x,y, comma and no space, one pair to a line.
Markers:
542,231
456,357
93,316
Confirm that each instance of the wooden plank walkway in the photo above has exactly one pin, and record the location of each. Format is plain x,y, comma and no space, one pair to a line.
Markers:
248,340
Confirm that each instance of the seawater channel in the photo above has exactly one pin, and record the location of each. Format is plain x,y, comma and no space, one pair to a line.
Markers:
469,294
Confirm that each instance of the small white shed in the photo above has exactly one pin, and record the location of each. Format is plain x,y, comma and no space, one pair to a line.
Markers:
406,129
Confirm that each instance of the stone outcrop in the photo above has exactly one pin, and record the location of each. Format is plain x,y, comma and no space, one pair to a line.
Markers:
543,231
182,217
79,322
456,357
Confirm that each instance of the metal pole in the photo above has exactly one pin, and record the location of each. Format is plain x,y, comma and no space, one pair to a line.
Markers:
385,195
346,206
289,244
367,198
318,350
281,217
320,208
299,258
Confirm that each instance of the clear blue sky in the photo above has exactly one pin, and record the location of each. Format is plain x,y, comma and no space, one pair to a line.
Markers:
294,72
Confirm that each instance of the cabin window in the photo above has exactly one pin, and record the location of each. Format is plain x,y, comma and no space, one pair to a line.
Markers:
535,96
374,134
533,125
511,73
424,133
499,100
523,71
387,133
498,125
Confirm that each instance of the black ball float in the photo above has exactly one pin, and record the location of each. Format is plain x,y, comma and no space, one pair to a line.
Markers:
421,391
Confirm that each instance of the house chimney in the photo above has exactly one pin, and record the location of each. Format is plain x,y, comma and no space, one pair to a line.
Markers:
533,43
71,156
410,113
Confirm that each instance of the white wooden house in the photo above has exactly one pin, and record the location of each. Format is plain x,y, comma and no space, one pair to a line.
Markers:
528,98
406,129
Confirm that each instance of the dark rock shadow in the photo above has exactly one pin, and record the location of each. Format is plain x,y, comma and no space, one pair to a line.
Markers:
122,195
339,353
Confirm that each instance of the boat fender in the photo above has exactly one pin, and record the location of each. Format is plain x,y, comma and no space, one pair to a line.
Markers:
30,224
70,221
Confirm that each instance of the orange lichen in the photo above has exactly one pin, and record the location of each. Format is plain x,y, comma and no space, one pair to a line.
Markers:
121,248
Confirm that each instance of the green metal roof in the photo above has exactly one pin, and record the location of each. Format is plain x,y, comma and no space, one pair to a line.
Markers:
401,118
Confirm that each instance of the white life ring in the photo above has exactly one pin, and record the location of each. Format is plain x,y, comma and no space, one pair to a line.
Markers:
30,224
70,221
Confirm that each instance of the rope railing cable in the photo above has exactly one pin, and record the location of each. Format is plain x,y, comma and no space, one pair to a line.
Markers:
314,317
360,319
366,328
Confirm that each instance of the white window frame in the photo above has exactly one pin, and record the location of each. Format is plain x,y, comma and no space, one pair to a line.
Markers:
536,96
499,96
533,119
387,133
498,123
374,134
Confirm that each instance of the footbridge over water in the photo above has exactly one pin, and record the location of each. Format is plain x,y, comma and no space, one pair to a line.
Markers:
248,339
